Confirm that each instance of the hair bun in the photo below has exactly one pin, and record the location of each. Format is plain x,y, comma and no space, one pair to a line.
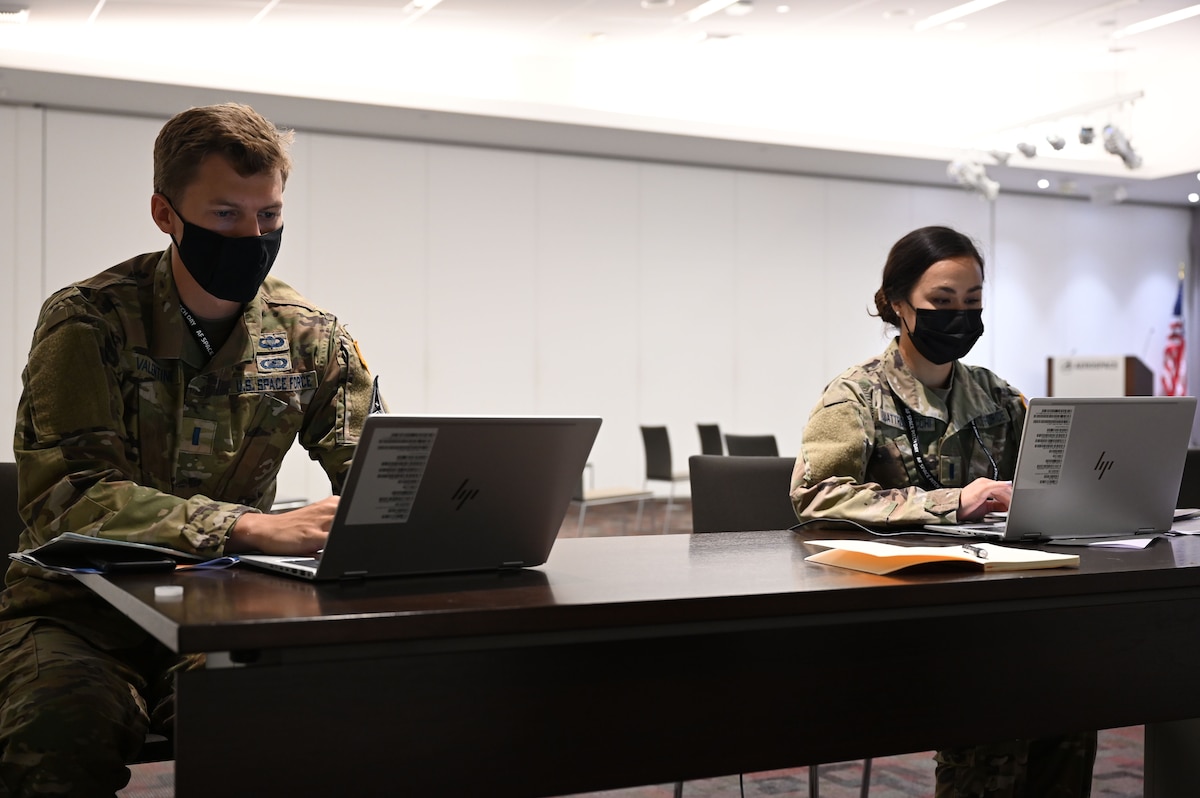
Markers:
886,312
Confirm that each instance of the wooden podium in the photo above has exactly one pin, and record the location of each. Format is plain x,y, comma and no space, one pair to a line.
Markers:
1104,375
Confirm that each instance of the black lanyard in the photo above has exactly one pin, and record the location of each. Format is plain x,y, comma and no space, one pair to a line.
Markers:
198,333
922,466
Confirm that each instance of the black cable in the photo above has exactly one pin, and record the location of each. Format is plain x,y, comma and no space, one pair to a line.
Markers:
922,531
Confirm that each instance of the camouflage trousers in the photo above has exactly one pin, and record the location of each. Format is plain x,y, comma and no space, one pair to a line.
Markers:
72,715
1052,767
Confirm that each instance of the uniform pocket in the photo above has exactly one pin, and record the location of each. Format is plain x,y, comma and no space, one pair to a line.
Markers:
267,430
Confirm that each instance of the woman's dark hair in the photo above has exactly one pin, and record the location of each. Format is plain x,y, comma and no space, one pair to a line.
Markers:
911,256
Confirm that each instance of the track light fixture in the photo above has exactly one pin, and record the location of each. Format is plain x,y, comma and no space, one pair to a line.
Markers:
972,175
1027,149
1116,142
1056,141
1087,134
14,14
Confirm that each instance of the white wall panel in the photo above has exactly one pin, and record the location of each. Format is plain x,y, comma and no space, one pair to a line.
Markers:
12,354
865,219
99,178
367,253
300,477
688,314
21,254
587,305
482,285
294,264
781,306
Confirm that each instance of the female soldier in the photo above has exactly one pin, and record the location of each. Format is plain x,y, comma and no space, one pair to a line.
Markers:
914,437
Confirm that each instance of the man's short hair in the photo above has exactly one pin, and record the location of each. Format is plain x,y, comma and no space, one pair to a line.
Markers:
250,143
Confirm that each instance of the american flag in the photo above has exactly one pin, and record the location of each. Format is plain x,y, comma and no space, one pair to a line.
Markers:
1173,379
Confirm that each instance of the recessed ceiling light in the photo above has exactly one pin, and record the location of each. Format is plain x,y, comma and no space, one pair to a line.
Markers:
1043,184
1193,197
783,9
899,13
657,3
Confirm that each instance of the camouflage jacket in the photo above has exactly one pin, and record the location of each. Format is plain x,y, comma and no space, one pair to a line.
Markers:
856,460
126,430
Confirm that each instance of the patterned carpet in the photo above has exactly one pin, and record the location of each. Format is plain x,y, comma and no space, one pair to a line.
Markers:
1118,771
1118,774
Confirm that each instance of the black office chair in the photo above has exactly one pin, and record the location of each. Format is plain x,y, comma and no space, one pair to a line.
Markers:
1189,486
11,524
742,494
710,439
736,493
157,748
752,445
659,466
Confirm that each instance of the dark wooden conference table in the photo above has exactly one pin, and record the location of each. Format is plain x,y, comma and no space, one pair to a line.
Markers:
649,659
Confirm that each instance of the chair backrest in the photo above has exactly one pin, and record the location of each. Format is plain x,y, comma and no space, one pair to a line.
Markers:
658,453
710,439
752,445
740,494
11,524
1189,486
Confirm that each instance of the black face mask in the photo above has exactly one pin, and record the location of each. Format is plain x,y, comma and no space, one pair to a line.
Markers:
229,268
945,335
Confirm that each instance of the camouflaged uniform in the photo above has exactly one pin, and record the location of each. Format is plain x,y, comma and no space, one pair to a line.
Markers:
126,430
856,462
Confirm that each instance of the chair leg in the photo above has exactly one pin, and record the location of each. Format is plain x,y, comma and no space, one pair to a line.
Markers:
679,789
579,526
638,523
866,781
814,781
667,512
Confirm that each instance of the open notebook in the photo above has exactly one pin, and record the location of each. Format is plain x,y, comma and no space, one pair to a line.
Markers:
437,494
1092,468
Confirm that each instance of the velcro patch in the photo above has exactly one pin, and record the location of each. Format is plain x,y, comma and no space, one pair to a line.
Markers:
197,436
271,383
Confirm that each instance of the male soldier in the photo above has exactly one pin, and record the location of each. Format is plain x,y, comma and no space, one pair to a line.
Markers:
158,402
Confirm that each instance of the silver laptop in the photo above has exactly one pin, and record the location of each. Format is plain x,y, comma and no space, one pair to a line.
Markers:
440,494
1094,468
